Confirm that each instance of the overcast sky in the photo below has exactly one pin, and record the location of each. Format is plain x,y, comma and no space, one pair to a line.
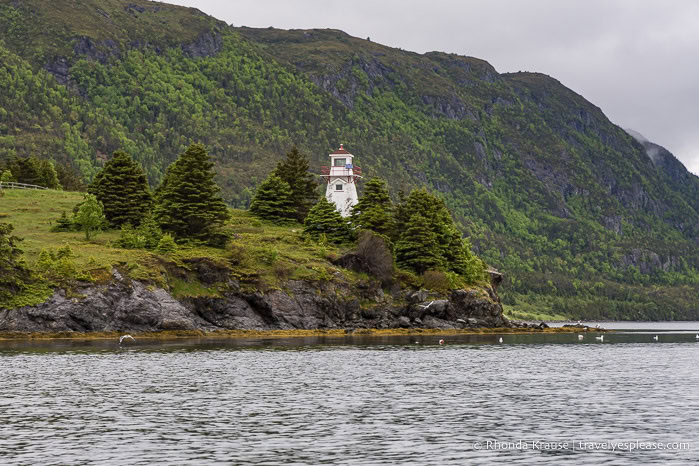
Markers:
636,59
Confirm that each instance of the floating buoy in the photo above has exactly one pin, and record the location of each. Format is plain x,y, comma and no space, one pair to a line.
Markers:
580,337
655,338
441,342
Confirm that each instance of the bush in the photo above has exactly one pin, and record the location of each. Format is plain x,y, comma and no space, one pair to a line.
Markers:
435,280
167,244
58,265
64,223
146,236
374,252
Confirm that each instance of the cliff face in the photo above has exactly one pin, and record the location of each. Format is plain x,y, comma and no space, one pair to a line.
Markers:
126,305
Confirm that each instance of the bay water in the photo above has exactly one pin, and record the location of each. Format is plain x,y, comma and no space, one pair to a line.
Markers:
542,398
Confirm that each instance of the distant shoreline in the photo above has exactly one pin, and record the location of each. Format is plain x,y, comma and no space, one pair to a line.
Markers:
297,333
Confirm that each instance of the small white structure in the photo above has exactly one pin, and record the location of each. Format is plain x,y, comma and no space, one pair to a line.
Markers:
341,176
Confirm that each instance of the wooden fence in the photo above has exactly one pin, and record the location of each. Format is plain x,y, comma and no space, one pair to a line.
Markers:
13,185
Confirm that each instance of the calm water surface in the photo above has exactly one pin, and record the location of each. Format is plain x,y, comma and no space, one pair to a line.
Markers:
353,401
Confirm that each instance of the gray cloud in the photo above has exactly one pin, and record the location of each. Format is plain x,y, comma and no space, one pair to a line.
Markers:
638,60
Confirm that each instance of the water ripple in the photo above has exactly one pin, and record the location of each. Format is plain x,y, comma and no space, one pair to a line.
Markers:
347,404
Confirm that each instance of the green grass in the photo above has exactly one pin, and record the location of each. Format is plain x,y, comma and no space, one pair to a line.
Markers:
525,312
260,256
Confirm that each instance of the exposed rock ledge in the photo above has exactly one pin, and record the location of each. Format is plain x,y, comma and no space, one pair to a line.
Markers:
125,305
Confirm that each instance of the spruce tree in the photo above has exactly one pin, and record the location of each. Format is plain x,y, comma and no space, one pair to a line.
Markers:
13,272
273,201
295,170
453,251
418,248
48,177
374,211
122,188
189,203
324,219
26,170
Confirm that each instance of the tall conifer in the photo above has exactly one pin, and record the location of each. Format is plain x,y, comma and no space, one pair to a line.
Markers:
295,171
122,188
188,202
324,219
418,247
273,201
13,271
374,211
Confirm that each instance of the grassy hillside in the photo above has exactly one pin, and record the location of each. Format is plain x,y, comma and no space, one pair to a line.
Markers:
573,210
260,256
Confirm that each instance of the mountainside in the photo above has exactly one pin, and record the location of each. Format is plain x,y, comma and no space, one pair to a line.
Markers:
583,218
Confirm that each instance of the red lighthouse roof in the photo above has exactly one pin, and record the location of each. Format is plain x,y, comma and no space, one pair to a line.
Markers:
341,150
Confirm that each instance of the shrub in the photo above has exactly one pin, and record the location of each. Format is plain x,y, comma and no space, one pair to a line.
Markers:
64,223
375,255
435,280
167,244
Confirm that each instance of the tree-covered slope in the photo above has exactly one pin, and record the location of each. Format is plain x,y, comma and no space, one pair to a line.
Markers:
570,206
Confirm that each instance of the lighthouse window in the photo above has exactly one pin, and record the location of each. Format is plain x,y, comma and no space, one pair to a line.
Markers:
339,162
338,187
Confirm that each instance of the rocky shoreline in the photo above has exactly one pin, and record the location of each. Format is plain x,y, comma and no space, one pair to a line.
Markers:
125,305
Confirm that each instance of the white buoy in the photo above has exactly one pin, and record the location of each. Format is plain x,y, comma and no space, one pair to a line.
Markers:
697,337
580,337
600,338
124,337
500,339
655,338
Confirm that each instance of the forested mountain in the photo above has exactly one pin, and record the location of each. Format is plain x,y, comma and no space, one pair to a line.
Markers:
582,218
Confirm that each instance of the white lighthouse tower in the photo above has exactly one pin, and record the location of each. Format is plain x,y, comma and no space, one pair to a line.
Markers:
341,176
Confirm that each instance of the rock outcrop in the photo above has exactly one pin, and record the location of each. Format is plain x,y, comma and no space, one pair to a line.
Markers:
128,305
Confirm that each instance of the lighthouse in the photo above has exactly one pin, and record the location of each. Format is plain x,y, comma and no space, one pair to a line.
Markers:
341,177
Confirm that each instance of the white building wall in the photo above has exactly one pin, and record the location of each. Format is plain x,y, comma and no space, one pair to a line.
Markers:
344,200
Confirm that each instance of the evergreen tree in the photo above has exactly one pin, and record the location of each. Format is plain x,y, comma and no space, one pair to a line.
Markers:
324,219
26,170
48,175
295,170
453,251
418,247
273,201
13,272
189,203
374,211
90,216
64,223
122,188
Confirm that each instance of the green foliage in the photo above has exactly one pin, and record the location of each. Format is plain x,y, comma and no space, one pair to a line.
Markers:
14,274
544,185
324,219
48,177
122,188
453,252
167,244
418,248
64,223
188,203
295,171
145,236
89,217
58,265
273,201
374,211
6,176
